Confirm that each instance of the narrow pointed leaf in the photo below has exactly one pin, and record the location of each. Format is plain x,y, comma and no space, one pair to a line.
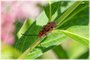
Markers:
50,9
54,38
78,38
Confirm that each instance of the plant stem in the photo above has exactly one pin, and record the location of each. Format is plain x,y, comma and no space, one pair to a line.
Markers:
50,10
31,48
68,12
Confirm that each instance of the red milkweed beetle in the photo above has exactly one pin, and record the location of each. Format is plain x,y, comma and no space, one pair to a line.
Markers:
46,29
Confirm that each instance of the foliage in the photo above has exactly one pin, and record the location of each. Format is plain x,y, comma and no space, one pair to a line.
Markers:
72,24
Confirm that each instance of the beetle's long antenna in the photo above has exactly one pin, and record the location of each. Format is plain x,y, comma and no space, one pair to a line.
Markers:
29,35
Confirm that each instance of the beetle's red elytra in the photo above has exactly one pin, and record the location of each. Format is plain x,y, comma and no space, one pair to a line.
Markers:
46,29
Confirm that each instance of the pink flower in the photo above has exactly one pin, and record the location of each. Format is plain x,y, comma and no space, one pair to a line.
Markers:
11,11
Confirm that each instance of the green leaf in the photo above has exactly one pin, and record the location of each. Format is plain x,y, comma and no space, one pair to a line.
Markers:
75,49
54,38
33,28
71,12
25,41
76,17
78,38
82,30
24,27
50,9
18,25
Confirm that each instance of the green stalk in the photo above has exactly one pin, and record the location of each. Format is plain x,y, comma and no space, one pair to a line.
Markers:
31,48
72,15
68,12
50,9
